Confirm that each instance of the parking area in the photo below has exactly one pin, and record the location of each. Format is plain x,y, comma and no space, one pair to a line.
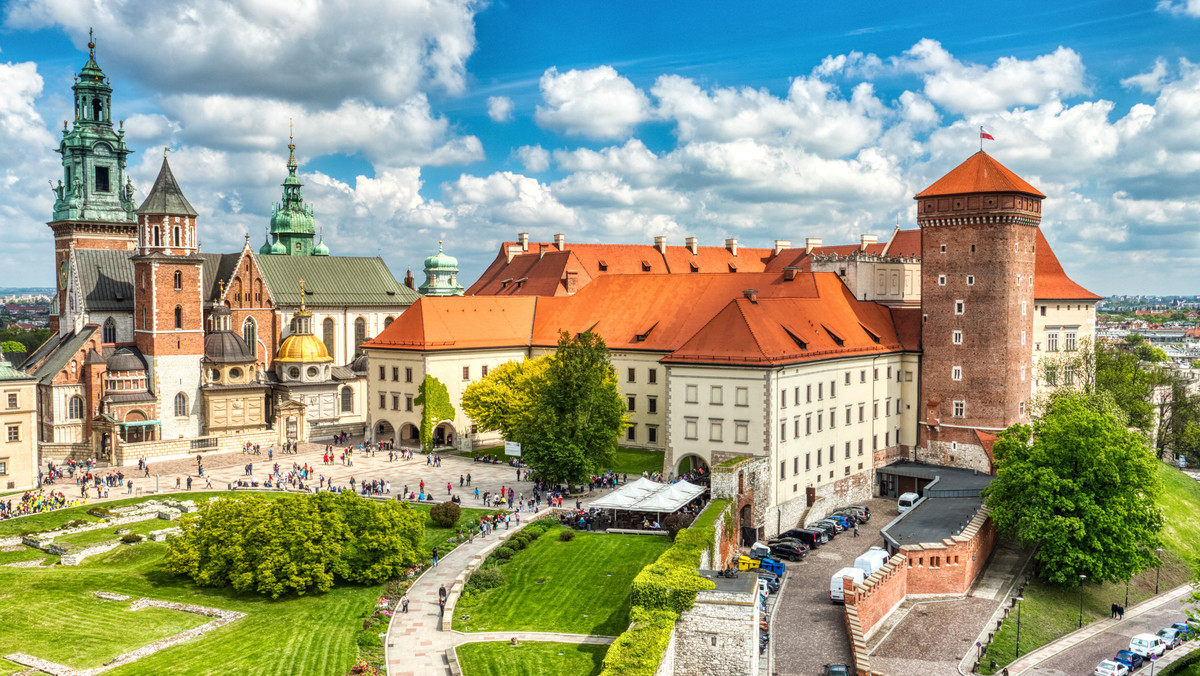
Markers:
809,630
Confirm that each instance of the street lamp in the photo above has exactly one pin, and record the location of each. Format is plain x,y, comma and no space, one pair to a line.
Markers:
1126,594
1082,577
1157,570
1018,600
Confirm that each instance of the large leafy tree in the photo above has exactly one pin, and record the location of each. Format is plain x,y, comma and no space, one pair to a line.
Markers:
502,400
1080,486
434,400
576,413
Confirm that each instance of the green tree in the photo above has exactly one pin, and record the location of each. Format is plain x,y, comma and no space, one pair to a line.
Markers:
384,537
576,413
30,338
434,400
12,346
1080,486
503,400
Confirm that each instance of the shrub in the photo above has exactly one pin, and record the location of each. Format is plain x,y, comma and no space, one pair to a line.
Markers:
445,514
517,544
131,538
99,513
488,577
504,553
638,651
566,535
675,523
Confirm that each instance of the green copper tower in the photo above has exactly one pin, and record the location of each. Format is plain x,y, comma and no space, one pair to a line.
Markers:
93,186
292,222
441,276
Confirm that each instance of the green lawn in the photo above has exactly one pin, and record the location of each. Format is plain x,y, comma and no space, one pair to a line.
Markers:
435,535
1049,612
636,461
530,659
577,587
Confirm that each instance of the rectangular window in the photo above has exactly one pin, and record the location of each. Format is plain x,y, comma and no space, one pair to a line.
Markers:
782,398
820,391
1021,407
631,433
741,432
396,373
652,404
1069,374
1022,337
956,373
408,402
943,248
795,465
860,445
382,373
1043,310
1052,339
3,466
1070,339
848,414
875,410
876,374
862,412
862,376
970,280
807,461
691,394
12,399
833,389
847,450
956,337
831,454
741,396
796,427
820,457
1022,373
631,375
631,401
102,184
959,308
847,378
941,280
652,434
875,442
808,394
652,376
483,371
887,407
889,373
466,373
820,421
691,428
408,374
960,409
847,472
395,402
1023,308
832,418
382,401
715,431
716,395
14,432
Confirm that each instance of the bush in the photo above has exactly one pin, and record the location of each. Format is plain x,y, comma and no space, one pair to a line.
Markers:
516,544
638,651
504,553
488,577
566,535
99,513
131,538
675,523
445,514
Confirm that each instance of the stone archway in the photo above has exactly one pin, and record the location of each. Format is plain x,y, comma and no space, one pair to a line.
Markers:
383,431
444,434
695,466
410,435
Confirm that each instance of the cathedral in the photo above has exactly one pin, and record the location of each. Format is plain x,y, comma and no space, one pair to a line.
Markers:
161,348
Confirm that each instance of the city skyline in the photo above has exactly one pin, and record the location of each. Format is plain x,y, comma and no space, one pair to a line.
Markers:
469,123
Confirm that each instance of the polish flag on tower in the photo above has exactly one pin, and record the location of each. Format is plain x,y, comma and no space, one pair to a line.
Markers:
983,134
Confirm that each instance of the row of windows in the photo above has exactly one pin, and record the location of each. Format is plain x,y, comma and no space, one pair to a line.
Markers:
651,434
631,375
651,404
820,455
849,414
716,430
1070,338
408,373
395,399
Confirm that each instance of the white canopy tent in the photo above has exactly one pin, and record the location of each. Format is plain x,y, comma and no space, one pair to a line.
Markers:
644,495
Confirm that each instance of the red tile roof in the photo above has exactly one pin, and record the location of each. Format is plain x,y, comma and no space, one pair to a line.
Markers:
980,173
1050,281
457,323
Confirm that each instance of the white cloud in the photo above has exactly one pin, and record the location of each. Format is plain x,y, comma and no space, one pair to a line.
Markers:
535,158
500,108
1184,7
596,103
1151,81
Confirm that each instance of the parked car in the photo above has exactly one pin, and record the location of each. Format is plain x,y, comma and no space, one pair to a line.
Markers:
827,528
810,536
837,592
1129,658
853,514
1186,629
789,542
906,502
1147,645
837,670
864,509
1171,636
838,526
788,551
1111,668
872,560
844,521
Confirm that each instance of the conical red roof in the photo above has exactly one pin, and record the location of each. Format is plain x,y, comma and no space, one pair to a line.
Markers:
980,173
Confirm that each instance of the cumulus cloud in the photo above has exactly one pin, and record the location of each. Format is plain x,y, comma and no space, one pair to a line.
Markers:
1151,81
535,158
1183,7
500,108
596,103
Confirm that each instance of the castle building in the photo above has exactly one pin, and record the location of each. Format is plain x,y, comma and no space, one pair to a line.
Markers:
160,348
18,424
441,275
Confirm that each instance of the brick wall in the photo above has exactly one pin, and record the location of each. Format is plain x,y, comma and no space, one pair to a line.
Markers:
880,594
951,566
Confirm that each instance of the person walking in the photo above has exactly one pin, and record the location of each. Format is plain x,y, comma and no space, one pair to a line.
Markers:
855,529
404,603
435,557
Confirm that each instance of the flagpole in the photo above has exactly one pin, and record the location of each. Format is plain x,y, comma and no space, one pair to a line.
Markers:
981,138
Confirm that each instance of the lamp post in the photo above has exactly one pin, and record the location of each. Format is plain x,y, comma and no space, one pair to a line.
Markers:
1082,577
1018,600
1126,594
1157,570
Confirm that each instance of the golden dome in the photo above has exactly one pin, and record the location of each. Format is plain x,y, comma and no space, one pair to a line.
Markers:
302,347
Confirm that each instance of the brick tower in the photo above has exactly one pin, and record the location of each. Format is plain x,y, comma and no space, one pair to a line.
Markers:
168,303
93,206
979,226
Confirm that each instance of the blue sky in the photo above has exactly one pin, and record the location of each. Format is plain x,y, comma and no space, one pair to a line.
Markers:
427,120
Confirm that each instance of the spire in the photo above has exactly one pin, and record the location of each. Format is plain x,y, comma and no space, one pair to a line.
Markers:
291,149
91,45
301,294
166,197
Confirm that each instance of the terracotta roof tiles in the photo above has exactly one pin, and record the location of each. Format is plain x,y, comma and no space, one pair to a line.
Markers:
457,322
1050,281
980,173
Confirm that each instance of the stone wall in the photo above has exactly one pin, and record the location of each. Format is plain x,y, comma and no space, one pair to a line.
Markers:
165,449
950,452
723,546
667,666
718,636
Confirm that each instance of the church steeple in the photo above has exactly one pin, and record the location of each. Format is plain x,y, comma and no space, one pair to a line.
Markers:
292,222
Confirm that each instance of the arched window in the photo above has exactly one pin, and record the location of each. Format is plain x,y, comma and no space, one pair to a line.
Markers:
175,236
388,322
178,317
250,335
347,400
75,408
110,331
157,236
181,405
178,280
97,110
327,336
360,334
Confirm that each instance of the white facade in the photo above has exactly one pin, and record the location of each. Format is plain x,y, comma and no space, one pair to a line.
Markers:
1060,328
172,375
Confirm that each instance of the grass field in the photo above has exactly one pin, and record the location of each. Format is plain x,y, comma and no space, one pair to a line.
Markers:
51,612
577,587
530,659
636,461
1049,613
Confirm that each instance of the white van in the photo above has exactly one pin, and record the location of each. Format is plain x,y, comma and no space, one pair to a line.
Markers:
907,501
871,561
1148,645
836,593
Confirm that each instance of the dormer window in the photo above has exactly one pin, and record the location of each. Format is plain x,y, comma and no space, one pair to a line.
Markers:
603,266
645,266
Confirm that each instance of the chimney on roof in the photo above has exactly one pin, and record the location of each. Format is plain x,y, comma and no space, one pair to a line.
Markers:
560,241
692,244
866,241
512,250
731,244
751,295
789,273
660,243
782,245
811,243
523,239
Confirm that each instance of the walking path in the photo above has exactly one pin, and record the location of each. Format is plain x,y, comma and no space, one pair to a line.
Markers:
1030,661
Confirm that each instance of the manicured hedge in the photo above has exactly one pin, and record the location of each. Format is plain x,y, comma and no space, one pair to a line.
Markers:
638,651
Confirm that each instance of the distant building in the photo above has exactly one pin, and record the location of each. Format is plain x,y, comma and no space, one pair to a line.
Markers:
441,276
18,424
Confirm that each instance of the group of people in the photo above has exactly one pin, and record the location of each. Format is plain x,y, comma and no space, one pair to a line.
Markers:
35,502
